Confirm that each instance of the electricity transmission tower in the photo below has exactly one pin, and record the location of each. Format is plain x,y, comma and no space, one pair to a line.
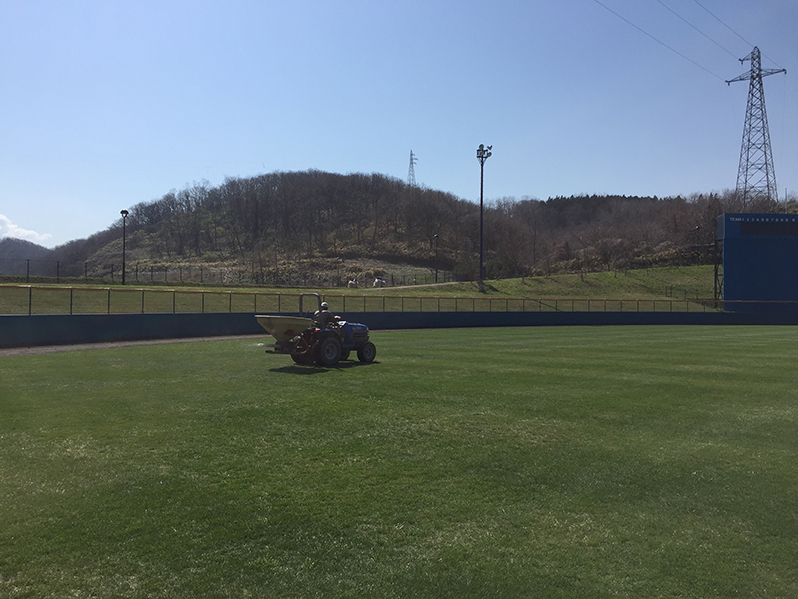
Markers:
756,176
411,171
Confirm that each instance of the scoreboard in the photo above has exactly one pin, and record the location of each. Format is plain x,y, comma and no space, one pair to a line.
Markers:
760,261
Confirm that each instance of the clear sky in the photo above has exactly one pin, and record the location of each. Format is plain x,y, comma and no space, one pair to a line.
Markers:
108,103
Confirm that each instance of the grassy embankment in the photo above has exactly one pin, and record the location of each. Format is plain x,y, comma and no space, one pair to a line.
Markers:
679,283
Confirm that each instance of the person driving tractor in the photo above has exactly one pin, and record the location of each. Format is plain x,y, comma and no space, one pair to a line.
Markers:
323,318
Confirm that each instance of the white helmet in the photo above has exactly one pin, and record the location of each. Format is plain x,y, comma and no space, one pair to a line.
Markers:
324,306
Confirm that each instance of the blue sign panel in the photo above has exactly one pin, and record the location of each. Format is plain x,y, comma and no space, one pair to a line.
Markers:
760,261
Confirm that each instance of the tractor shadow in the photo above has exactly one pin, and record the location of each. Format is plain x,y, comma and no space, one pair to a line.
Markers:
313,369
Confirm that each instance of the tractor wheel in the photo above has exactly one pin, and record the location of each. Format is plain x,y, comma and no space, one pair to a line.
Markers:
367,352
328,352
344,354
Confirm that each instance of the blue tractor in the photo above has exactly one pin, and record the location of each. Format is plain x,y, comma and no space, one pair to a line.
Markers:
318,338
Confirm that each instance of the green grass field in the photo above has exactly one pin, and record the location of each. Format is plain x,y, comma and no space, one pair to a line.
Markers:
531,462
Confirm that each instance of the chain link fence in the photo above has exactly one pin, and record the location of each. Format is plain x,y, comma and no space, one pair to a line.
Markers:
33,299
54,271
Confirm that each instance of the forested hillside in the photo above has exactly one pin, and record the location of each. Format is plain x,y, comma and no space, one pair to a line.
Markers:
15,255
317,219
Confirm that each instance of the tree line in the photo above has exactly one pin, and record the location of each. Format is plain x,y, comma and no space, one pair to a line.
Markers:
285,217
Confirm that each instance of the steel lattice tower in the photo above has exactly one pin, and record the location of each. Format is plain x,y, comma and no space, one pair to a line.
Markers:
411,171
756,176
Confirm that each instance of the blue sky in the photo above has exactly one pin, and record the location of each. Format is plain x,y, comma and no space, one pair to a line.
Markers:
106,104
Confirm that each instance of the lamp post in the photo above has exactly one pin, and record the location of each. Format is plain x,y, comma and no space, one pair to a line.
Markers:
483,154
435,237
124,214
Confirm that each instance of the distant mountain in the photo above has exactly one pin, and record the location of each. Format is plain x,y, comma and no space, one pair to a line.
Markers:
15,253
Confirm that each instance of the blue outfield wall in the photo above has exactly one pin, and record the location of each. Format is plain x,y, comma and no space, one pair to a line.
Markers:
24,331
29,331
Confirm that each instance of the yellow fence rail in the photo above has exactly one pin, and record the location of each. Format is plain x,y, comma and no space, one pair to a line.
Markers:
32,299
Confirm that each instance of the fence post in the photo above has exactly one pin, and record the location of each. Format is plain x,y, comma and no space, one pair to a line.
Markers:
30,301
70,301
230,304
174,300
203,302
142,301
109,300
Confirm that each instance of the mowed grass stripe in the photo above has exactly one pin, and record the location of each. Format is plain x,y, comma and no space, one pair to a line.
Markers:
546,462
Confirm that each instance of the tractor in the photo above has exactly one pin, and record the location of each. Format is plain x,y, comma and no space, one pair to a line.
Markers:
308,342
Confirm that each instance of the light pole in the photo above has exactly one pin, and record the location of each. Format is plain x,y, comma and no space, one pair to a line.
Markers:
483,154
124,214
435,237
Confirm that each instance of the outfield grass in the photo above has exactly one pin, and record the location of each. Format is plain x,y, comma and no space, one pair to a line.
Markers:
530,462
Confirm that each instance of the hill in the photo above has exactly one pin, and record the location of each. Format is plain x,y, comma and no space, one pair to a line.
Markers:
15,255
289,226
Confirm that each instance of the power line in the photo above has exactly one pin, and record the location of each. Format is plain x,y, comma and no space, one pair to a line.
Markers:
722,23
659,41
732,30
698,30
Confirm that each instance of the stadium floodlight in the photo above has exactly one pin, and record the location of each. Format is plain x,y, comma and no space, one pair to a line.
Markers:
482,155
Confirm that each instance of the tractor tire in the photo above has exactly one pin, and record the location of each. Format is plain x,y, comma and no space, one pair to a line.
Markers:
328,352
344,354
367,352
